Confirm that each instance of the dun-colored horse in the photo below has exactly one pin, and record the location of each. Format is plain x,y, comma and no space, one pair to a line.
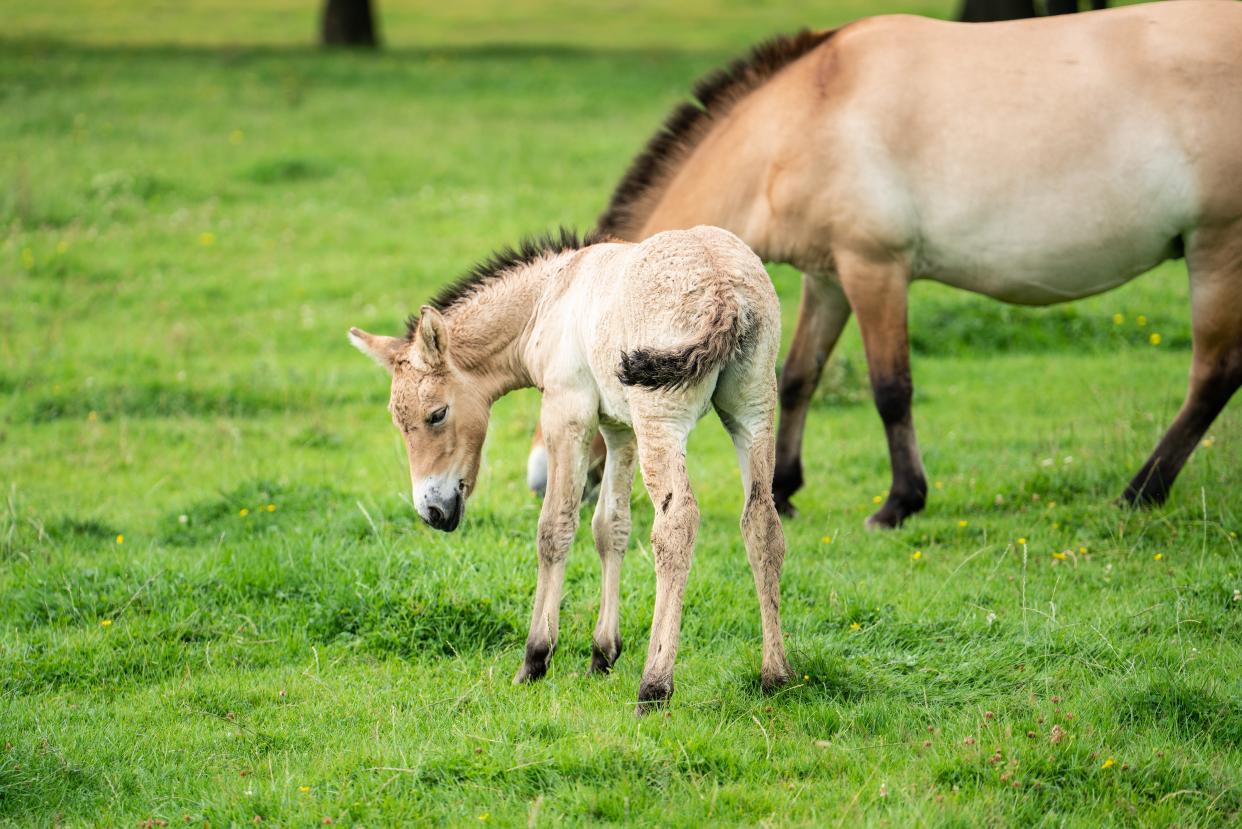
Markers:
637,340
1034,161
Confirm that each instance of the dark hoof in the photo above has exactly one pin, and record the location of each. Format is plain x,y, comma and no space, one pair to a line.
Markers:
895,511
775,681
653,696
535,667
603,658
785,507
785,483
884,520
1144,498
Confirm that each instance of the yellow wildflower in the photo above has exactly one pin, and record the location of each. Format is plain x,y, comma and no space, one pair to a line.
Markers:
1158,557
877,499
1154,339
1022,541
1082,549
962,523
916,555
855,626
271,507
243,512
1108,764
120,539
1060,556
939,484
1208,442
1141,320
1118,319
304,789
105,623
826,539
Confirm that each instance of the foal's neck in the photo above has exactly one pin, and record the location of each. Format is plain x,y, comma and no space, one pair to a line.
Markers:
489,328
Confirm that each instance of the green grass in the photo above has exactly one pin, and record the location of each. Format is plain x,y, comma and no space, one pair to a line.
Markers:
194,208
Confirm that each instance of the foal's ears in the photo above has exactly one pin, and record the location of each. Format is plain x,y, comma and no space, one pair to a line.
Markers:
431,337
383,350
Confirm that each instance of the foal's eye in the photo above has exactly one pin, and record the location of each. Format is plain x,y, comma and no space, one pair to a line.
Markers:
437,417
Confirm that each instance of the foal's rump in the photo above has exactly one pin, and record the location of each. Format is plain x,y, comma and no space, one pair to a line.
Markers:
695,300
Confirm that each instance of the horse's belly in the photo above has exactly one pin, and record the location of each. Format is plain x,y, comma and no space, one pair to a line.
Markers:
1077,234
1044,272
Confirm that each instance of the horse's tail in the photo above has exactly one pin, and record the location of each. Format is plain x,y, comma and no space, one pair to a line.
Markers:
726,329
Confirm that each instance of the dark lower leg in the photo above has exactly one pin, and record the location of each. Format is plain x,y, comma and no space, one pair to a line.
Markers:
907,494
821,317
1151,485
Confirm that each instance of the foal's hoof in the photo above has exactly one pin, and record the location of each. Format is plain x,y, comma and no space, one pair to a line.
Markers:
653,696
604,657
774,680
535,665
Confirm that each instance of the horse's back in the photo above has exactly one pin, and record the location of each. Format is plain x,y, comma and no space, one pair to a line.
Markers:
1035,161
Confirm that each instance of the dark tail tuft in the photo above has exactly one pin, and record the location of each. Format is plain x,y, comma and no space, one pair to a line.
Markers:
683,366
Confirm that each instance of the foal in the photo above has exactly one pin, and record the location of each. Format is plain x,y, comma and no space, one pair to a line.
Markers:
637,340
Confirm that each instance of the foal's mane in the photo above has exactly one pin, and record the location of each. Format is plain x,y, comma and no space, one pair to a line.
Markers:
712,97
504,260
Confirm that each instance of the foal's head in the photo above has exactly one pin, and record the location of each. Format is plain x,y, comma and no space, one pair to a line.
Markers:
440,413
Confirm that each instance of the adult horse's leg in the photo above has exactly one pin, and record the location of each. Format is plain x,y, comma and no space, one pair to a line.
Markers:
1215,262
877,289
611,528
821,318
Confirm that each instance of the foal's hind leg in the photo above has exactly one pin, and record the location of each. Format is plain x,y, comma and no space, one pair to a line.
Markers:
1215,261
821,318
611,528
748,418
662,458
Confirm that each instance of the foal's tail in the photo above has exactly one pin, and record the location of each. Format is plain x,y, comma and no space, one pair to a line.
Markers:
727,329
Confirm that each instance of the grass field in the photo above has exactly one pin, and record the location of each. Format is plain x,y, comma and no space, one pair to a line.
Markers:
217,607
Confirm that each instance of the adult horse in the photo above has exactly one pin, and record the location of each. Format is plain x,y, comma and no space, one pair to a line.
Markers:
1033,161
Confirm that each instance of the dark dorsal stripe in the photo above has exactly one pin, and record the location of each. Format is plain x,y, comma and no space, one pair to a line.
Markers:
503,261
713,96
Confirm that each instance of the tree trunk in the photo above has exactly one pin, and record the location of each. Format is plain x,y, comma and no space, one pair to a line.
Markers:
982,11
348,23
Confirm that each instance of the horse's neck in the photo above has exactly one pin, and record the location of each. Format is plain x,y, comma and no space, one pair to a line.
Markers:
694,196
488,331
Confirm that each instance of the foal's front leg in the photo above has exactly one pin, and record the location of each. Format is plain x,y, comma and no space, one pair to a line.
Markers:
568,426
611,528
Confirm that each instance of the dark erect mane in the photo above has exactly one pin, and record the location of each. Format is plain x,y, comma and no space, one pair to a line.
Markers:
504,260
713,96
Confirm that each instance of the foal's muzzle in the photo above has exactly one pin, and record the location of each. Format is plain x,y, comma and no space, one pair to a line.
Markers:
445,514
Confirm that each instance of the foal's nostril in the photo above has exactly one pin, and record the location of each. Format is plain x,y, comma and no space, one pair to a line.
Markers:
435,516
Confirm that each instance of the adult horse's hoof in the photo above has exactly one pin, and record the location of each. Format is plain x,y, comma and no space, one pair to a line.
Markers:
785,507
885,519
